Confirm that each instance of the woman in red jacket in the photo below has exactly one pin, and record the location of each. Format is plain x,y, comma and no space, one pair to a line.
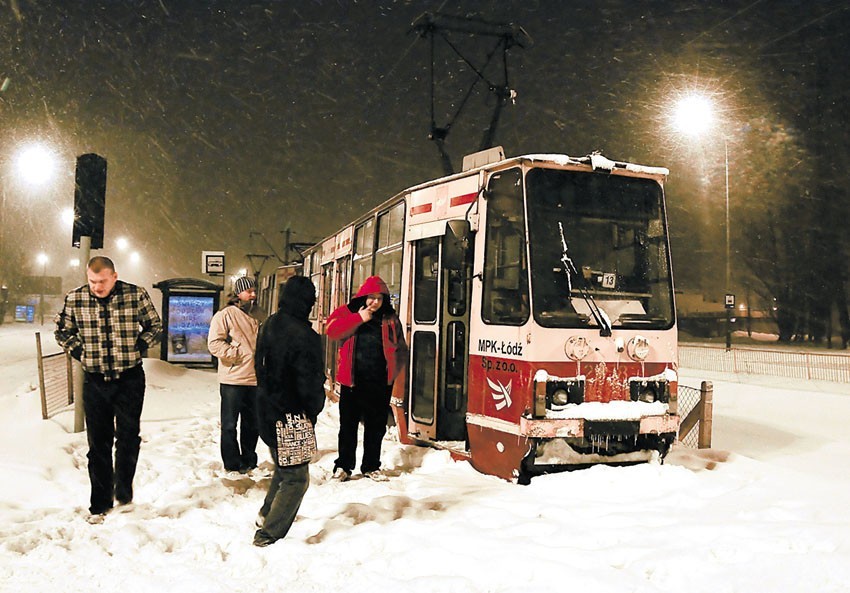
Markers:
372,354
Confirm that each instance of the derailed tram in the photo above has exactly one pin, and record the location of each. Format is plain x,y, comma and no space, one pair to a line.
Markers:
537,298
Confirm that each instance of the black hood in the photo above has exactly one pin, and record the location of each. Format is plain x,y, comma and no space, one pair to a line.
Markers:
297,297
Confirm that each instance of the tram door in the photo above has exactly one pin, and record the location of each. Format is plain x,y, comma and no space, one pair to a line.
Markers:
440,339
339,297
327,307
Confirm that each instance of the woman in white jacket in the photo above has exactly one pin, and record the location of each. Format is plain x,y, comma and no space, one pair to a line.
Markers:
233,340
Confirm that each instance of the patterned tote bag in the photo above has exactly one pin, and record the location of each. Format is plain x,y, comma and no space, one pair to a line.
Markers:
296,440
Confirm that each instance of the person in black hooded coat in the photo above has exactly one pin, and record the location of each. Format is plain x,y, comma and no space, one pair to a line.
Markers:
290,380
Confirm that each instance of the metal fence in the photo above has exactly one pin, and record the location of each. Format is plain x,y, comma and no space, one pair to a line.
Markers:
688,400
755,361
696,409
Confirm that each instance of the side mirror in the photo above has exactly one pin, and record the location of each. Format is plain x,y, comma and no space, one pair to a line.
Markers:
456,244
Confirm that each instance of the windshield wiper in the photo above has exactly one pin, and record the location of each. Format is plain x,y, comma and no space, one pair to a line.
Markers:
598,314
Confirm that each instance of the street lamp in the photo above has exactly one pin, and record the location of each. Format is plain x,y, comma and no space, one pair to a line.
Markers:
694,116
35,165
42,259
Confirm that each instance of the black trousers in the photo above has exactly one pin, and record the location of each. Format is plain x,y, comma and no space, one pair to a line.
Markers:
113,412
369,403
238,405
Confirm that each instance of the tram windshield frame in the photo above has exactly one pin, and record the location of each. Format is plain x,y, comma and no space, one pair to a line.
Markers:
598,242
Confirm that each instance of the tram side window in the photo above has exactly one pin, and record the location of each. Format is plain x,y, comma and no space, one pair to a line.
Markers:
424,371
313,270
388,267
427,264
364,245
505,264
388,256
317,280
343,266
391,226
306,272
327,286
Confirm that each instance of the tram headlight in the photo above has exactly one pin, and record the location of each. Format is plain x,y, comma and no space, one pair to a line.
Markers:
576,348
560,397
650,391
647,394
638,348
563,391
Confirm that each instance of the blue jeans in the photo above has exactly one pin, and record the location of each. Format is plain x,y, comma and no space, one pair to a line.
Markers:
238,403
289,484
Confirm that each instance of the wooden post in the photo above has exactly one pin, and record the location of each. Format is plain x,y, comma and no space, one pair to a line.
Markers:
706,404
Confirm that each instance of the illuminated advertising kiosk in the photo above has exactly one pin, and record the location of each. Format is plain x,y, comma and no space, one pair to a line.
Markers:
188,305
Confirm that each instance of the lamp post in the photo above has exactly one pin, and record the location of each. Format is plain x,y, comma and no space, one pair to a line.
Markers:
694,116
730,298
42,259
3,230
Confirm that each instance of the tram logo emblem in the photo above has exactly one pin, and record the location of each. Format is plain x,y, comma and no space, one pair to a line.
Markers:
501,393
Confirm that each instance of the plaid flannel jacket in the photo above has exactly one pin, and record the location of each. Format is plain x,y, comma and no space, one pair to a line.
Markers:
107,335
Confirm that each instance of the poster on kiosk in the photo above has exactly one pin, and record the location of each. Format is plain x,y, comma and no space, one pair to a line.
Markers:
188,305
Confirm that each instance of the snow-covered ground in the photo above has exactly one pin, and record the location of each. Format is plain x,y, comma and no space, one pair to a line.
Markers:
765,510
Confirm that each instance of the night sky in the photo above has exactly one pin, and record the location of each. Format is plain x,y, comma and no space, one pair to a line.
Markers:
224,123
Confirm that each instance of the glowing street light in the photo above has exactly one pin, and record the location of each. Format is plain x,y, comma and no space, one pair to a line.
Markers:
694,115
33,164
36,164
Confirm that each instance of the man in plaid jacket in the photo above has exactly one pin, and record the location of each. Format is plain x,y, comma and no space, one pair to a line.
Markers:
107,324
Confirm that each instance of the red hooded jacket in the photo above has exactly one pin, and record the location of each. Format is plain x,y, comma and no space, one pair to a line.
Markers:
344,322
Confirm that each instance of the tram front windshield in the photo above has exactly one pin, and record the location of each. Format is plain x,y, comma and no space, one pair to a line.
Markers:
598,249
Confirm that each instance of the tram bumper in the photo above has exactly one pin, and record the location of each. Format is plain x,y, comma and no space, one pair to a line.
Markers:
543,428
560,444
533,446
